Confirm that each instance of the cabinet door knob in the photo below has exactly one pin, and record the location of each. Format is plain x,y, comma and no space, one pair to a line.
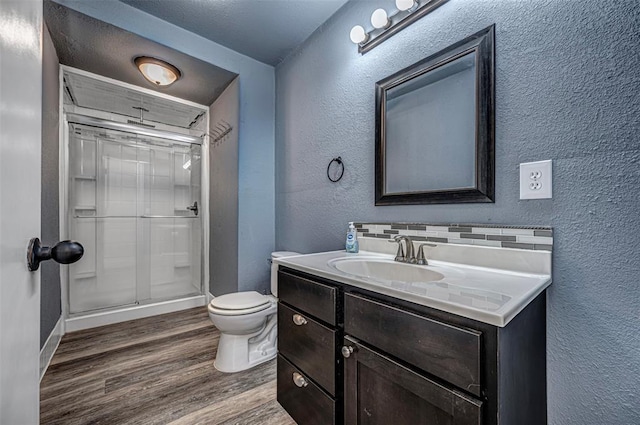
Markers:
299,380
347,350
299,320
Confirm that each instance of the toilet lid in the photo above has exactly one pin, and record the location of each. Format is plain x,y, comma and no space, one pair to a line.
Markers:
239,300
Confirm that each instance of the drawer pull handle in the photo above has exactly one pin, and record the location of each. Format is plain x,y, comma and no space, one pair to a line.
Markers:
347,350
299,320
299,380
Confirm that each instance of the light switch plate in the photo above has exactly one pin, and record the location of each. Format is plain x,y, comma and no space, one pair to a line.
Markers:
536,180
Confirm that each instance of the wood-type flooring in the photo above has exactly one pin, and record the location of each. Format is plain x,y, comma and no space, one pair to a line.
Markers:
157,370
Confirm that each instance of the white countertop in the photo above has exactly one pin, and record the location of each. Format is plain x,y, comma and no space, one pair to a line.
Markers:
487,294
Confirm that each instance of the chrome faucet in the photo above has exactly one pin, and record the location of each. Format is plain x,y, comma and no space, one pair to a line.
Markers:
400,255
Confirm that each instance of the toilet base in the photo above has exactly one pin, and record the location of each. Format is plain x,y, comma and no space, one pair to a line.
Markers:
241,352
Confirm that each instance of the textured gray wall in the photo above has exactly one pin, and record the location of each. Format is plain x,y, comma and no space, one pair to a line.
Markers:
223,196
566,89
50,308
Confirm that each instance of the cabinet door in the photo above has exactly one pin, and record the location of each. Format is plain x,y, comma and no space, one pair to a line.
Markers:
380,391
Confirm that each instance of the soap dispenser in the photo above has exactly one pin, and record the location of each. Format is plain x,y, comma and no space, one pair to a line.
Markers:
352,239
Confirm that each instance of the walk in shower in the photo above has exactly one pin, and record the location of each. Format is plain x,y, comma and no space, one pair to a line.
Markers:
134,205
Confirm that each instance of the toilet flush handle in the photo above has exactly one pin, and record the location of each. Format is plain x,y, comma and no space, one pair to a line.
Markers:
299,320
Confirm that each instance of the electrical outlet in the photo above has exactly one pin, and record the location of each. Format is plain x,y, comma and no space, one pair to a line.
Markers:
535,180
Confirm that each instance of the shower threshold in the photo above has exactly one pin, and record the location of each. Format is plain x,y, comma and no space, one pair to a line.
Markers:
80,321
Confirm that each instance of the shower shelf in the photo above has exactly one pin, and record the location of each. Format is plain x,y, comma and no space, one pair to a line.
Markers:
84,177
85,207
85,275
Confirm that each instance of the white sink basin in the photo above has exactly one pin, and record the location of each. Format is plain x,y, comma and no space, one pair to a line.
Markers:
385,270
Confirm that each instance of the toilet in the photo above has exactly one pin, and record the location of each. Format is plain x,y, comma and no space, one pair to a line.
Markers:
247,324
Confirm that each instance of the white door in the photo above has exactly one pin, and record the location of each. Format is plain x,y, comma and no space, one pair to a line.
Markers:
20,146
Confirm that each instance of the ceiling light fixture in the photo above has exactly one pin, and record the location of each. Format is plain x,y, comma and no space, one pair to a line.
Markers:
157,71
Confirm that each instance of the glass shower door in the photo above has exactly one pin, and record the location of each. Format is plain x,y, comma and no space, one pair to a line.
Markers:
130,197
170,191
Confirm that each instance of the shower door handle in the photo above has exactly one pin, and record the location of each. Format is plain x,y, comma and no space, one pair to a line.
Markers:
65,252
194,207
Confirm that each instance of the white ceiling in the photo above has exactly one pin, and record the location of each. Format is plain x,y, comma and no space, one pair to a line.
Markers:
266,30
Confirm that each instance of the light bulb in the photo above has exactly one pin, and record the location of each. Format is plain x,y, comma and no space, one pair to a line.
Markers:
405,4
358,34
379,19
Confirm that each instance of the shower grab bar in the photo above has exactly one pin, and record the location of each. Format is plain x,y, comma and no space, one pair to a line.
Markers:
134,216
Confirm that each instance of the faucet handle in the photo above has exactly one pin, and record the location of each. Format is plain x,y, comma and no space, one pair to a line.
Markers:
400,253
422,260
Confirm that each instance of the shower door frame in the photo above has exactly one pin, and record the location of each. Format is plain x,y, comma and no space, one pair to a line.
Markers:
108,316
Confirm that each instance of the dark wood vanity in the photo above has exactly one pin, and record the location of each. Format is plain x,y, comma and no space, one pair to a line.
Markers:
351,356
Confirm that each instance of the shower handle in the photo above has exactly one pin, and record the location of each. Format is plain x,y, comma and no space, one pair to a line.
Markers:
194,207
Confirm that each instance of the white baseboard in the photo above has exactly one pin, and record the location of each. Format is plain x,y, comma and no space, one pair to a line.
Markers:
50,346
209,297
131,313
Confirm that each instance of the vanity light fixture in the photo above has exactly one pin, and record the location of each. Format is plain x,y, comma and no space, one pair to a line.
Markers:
380,19
403,5
358,35
157,71
384,26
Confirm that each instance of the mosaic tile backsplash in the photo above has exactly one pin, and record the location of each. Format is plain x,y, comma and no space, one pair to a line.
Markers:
520,237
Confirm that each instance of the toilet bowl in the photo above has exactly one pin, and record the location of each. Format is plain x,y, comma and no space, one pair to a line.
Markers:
247,325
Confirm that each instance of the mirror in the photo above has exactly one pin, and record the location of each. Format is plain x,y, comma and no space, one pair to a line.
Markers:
435,127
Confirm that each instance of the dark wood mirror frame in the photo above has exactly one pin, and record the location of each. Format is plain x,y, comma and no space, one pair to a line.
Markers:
482,43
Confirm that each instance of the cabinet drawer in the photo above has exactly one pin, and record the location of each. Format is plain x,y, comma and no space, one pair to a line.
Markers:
314,298
307,404
310,346
443,350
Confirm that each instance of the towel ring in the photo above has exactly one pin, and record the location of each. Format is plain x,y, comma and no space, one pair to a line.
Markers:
337,160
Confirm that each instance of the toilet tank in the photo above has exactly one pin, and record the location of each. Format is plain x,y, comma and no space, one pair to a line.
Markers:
274,268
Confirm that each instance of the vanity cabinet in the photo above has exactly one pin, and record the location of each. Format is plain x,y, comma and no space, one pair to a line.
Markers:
396,362
309,341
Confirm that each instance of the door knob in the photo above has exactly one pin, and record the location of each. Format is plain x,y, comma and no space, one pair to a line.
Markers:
65,252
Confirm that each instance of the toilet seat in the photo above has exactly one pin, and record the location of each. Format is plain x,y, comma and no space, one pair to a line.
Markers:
240,303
